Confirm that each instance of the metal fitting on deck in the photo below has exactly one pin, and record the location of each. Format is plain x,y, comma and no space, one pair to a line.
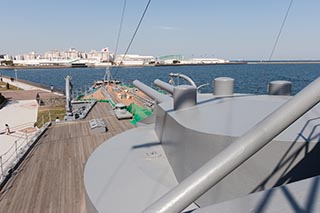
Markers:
184,96
223,86
279,88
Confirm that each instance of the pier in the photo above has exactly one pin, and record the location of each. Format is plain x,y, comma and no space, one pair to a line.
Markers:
50,179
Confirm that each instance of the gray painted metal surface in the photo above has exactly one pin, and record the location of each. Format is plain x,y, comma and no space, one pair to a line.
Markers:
188,148
80,110
68,96
279,88
192,136
97,125
301,196
163,85
121,111
238,152
127,173
151,92
184,96
185,77
223,86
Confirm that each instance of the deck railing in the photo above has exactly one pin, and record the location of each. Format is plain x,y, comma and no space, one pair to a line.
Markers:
11,158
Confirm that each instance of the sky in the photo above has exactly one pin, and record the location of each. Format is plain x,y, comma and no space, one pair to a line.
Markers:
229,29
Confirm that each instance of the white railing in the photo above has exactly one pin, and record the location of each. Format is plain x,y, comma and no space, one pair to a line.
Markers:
14,154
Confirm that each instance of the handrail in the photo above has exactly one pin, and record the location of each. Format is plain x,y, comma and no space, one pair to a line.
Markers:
19,126
17,145
211,173
16,151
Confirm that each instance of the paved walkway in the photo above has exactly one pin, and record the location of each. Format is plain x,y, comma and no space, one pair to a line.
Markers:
20,113
22,94
25,86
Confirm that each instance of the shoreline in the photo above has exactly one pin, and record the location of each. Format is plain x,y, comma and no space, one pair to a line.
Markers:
164,65
33,67
21,82
283,62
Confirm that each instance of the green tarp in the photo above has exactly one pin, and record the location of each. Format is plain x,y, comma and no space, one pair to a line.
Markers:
139,112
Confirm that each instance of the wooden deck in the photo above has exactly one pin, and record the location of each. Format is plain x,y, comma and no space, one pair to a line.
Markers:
51,177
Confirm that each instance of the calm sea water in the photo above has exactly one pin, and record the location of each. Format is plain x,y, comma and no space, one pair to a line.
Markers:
249,78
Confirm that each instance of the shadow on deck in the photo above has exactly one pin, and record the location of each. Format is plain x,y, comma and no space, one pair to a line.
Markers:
51,177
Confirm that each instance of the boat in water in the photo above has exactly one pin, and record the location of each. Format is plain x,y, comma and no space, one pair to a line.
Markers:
212,152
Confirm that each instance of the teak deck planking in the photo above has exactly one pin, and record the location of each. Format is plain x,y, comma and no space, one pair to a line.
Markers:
50,179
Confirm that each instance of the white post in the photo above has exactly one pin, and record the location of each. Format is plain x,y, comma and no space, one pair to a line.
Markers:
16,148
49,116
16,74
1,165
26,138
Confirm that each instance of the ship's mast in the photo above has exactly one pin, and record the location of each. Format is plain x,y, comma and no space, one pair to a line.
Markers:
107,75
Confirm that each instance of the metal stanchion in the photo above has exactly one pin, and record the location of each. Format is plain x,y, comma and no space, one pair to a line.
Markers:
16,148
1,167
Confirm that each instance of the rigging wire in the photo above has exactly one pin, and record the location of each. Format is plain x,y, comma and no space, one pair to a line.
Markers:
281,28
134,34
120,27
137,28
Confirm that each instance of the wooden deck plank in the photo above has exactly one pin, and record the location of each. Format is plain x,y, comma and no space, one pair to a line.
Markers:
51,178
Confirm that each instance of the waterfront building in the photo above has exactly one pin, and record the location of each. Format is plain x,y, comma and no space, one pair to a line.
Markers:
72,53
170,59
205,61
31,56
83,55
99,56
134,60
7,57
52,54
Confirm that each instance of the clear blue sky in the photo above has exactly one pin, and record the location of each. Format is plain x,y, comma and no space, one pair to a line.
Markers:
225,29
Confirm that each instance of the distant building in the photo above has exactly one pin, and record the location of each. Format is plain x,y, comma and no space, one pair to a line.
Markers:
30,56
5,57
72,56
52,54
99,56
170,59
19,57
206,61
72,53
133,60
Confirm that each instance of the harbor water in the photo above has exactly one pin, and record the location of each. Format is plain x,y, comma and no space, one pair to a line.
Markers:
249,78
